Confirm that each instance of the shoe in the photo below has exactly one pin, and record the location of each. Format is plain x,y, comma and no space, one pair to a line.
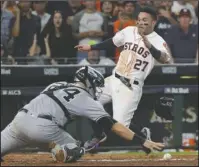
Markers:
64,154
147,133
57,152
94,142
2,160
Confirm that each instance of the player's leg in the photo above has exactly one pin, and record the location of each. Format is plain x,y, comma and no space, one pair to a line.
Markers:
44,131
11,139
98,135
123,110
125,101
106,95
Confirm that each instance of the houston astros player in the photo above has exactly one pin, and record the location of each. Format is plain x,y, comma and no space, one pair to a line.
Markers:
42,121
141,48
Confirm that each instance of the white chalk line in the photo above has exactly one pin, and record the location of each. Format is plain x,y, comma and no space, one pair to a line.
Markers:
135,160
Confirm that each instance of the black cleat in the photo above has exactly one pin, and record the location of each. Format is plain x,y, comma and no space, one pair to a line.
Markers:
94,142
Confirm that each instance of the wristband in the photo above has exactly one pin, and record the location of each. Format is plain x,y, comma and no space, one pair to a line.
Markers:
138,139
155,52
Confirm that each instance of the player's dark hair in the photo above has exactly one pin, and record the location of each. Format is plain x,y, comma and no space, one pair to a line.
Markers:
150,11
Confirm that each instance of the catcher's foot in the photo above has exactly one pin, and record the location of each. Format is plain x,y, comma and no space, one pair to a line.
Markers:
57,152
94,142
64,154
147,133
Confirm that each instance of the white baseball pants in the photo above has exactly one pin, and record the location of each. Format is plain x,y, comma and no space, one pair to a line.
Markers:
124,100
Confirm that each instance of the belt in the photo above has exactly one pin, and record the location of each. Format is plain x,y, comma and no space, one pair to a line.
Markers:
125,80
48,117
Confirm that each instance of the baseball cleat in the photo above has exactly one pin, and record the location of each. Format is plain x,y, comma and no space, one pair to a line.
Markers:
94,142
147,133
1,160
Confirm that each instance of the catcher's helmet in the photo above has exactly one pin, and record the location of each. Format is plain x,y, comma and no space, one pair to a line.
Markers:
91,78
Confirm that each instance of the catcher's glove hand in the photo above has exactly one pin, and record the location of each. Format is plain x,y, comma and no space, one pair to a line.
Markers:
164,107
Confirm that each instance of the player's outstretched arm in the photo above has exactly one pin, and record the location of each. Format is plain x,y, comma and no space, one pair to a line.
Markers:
100,46
127,134
108,123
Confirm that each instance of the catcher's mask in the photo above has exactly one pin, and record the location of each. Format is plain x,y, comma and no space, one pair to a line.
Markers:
92,79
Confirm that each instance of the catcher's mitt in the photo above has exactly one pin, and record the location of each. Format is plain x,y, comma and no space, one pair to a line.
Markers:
164,107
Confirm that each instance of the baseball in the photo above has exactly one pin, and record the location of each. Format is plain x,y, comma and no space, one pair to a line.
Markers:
167,156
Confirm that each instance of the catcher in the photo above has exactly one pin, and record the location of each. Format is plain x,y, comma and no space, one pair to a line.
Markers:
42,121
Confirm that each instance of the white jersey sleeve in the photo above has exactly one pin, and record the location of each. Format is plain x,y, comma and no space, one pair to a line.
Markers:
119,38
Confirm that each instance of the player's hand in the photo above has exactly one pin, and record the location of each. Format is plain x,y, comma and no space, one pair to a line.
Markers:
153,145
146,41
46,39
83,48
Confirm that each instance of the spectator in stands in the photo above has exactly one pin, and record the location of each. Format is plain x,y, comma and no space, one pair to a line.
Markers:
107,10
139,4
29,25
60,36
146,2
182,39
123,21
178,5
89,25
195,5
95,58
165,18
2,54
7,24
129,8
74,8
12,7
35,57
119,7
40,11
5,58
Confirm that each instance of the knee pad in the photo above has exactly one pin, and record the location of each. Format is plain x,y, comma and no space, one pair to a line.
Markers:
106,123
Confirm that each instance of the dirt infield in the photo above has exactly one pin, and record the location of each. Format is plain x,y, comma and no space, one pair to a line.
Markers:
34,159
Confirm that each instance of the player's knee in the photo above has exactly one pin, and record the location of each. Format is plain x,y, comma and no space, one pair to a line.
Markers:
106,123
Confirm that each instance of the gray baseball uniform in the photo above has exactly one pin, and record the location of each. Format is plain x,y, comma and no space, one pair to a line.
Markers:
41,121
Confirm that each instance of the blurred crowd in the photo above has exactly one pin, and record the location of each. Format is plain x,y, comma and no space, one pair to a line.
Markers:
45,32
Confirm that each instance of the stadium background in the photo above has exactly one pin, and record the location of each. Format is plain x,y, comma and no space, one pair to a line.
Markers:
24,75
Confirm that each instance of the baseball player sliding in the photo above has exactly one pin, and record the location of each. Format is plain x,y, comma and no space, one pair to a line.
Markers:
141,47
42,121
